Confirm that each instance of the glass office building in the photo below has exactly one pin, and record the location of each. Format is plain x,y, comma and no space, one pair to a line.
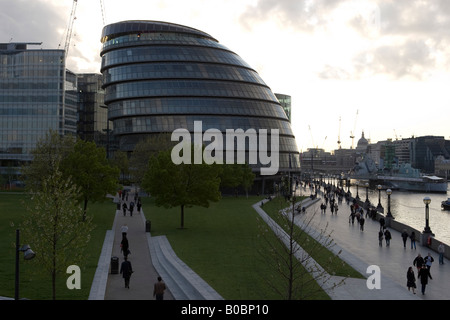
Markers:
285,102
37,94
160,76
93,124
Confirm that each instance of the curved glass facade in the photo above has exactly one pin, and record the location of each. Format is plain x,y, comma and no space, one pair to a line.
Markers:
159,77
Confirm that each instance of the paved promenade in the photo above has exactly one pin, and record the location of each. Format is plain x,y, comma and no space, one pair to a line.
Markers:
358,248
144,274
361,249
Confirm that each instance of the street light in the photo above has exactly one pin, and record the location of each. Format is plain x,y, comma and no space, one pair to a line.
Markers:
28,254
427,201
389,192
379,207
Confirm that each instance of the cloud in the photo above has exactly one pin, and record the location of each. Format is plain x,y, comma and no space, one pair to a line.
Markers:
396,38
31,21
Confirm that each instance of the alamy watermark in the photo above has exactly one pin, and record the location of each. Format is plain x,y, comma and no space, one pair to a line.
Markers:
235,147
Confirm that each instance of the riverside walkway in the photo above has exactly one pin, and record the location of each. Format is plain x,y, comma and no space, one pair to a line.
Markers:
361,249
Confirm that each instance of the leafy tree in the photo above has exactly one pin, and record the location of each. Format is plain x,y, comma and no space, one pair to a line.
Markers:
54,226
235,175
143,151
247,178
120,160
48,154
183,185
89,168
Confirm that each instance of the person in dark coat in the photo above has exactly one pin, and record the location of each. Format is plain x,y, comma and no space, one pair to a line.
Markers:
411,280
126,270
124,246
418,262
424,274
404,237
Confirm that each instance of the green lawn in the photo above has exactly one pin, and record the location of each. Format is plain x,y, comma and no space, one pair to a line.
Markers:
221,244
32,285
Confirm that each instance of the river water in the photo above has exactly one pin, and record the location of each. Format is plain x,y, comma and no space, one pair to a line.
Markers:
408,208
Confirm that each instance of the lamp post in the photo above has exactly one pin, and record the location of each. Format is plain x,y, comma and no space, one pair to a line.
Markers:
367,191
379,206
348,185
389,214
357,191
427,201
367,202
28,254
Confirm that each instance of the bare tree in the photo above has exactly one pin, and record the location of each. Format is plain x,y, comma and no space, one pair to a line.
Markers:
290,256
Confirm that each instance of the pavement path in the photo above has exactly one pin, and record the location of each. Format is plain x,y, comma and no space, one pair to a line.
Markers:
361,249
145,274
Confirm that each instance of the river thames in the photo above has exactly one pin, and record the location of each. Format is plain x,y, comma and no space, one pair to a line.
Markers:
408,208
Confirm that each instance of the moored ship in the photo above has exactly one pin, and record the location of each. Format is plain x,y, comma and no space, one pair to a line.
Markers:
400,177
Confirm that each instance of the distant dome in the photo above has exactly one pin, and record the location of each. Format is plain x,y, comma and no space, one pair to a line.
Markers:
362,143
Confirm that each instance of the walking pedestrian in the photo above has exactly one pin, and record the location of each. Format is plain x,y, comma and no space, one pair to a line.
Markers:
388,237
124,208
418,262
428,260
126,270
125,247
404,237
413,239
380,238
131,209
124,230
424,275
382,222
441,251
139,205
361,222
158,289
411,280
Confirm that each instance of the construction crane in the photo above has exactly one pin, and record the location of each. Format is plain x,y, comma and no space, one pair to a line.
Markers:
323,144
102,8
352,133
339,134
70,27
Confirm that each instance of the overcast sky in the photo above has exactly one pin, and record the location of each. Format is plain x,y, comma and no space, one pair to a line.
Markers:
379,66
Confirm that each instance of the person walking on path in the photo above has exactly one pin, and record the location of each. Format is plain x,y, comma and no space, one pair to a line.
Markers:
382,223
388,237
124,208
158,289
413,239
428,260
424,274
411,280
418,262
126,270
124,230
380,238
125,247
361,222
404,237
441,251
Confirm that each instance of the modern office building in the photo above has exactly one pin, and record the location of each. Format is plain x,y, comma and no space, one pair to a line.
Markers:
93,124
286,102
160,77
37,94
